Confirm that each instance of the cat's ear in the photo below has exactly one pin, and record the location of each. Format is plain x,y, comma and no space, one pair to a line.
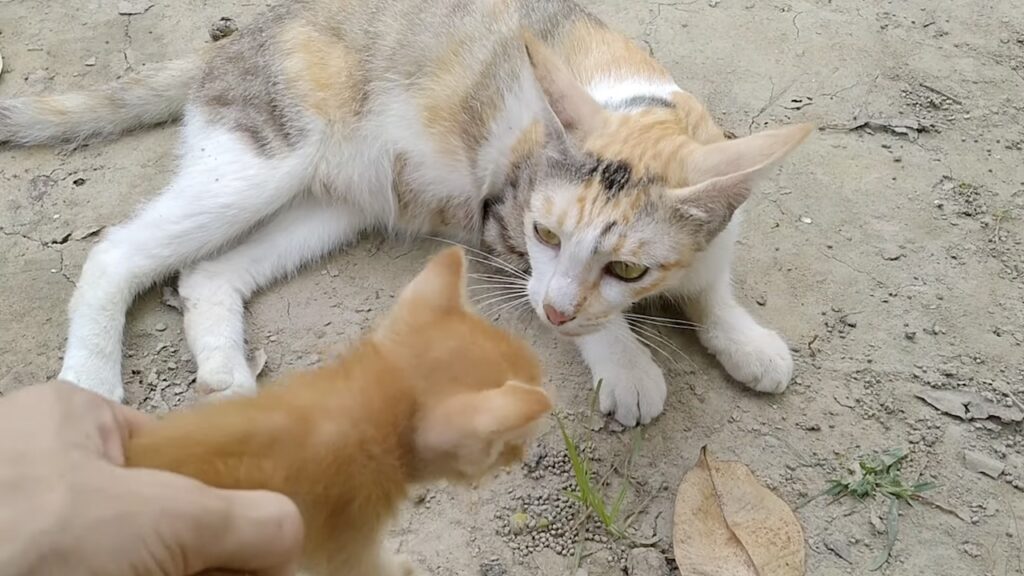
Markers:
505,411
576,110
466,435
721,175
441,285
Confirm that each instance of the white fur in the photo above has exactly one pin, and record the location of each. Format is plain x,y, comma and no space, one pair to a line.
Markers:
215,291
608,92
632,386
750,353
222,190
225,189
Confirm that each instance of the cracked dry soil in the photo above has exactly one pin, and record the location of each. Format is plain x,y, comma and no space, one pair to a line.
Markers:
888,251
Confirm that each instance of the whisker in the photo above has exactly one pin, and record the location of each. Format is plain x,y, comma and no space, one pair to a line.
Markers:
505,282
500,265
478,298
664,321
657,349
508,305
500,298
485,276
664,324
482,286
652,333
489,258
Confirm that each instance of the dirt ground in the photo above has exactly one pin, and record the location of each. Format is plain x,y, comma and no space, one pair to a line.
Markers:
888,251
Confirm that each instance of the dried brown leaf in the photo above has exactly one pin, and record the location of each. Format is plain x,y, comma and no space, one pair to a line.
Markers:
728,524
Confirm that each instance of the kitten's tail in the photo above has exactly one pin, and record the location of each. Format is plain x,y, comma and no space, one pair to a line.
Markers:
143,99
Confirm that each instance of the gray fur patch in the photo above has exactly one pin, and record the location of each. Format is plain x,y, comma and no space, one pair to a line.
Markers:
241,87
639,102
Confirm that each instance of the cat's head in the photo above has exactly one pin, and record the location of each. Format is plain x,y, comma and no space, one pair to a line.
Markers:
623,202
478,387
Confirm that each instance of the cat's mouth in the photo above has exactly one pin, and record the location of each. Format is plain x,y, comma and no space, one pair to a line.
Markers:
574,328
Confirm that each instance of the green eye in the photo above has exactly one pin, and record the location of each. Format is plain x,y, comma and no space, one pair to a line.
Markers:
627,271
546,235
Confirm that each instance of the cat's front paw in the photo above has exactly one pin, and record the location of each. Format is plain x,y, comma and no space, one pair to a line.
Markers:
218,379
759,358
633,390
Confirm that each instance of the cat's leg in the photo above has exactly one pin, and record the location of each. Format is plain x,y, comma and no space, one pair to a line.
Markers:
631,383
215,291
223,188
749,352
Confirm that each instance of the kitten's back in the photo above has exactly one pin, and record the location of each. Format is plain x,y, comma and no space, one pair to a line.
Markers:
434,392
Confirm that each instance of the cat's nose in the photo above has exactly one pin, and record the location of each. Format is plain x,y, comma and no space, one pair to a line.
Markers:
557,317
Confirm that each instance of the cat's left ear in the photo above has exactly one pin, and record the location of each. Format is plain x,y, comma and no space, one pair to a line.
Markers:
577,112
442,283
721,175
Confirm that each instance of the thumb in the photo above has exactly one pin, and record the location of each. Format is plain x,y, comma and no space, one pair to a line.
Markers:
248,531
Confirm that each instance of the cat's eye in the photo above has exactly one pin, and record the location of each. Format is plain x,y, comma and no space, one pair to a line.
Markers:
546,235
627,271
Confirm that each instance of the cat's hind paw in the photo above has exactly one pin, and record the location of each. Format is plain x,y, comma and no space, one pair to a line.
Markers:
218,380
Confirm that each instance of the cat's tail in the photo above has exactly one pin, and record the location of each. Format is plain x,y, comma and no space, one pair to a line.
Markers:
143,99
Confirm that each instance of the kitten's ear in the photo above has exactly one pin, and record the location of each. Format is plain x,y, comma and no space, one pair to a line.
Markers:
721,175
476,431
442,283
505,411
575,109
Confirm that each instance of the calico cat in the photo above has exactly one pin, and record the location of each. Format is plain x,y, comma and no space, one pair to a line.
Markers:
434,392
526,126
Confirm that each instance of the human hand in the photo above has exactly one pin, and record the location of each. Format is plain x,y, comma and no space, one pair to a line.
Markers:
68,507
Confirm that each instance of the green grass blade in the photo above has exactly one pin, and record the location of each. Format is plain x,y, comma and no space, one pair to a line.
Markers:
892,528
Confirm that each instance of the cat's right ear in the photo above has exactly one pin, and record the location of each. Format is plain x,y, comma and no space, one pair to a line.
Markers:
442,283
577,112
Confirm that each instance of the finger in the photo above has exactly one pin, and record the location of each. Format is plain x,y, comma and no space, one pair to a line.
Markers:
87,420
130,420
257,532
124,423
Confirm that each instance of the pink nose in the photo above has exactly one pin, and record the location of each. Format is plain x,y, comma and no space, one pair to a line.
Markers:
555,316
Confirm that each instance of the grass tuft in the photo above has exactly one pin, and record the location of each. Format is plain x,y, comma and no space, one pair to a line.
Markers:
587,492
879,474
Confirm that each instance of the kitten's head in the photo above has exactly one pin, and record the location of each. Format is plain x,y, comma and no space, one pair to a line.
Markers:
478,387
623,202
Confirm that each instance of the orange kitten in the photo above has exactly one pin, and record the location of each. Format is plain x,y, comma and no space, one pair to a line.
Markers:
435,392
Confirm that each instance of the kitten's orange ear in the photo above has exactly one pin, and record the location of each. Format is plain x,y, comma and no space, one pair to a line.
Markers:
441,284
722,174
504,411
575,109
469,434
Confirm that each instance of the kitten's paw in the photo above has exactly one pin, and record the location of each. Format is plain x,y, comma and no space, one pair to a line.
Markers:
103,378
634,391
759,358
218,379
